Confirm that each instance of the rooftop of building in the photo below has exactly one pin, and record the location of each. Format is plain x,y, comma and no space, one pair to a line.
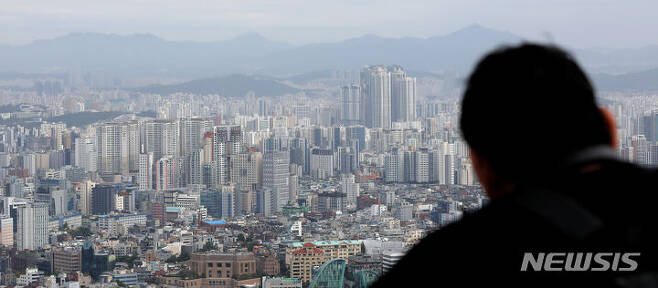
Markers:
217,253
119,215
215,222
325,243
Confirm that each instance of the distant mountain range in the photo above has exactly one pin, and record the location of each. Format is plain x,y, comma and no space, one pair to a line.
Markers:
235,85
145,54
453,52
238,85
139,54
619,61
251,54
636,81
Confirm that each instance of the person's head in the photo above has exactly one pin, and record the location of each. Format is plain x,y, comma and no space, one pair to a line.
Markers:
526,109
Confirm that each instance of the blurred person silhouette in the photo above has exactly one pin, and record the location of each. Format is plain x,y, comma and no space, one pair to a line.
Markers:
544,153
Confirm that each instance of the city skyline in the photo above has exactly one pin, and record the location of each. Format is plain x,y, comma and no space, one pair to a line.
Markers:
372,158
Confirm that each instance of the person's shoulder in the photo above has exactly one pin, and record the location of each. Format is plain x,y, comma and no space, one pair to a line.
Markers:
626,170
500,215
616,184
481,242
502,227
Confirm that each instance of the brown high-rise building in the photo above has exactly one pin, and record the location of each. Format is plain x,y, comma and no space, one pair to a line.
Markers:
268,265
67,260
223,265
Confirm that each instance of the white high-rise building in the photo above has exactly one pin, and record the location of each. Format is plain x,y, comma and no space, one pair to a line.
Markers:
227,141
145,179
162,138
449,152
268,199
443,166
192,132
118,202
32,226
394,166
112,157
247,170
5,159
350,104
220,170
276,172
640,149
30,163
438,166
230,201
16,187
194,162
418,166
422,166
134,144
84,190
375,102
117,148
167,173
403,96
466,173
293,184
59,200
85,154
322,163
409,166
350,188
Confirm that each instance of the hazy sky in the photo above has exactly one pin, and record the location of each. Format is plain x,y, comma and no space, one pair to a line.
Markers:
579,23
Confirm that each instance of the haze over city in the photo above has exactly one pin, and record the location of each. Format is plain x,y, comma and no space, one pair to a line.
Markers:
606,24
297,143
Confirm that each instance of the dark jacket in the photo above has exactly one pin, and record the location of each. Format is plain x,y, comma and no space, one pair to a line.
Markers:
597,206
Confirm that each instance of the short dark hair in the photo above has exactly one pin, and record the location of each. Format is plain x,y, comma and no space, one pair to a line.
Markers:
526,108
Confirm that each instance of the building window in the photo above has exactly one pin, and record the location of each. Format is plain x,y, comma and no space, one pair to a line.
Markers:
219,264
228,265
209,264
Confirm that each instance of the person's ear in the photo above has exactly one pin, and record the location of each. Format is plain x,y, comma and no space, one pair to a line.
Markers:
610,124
